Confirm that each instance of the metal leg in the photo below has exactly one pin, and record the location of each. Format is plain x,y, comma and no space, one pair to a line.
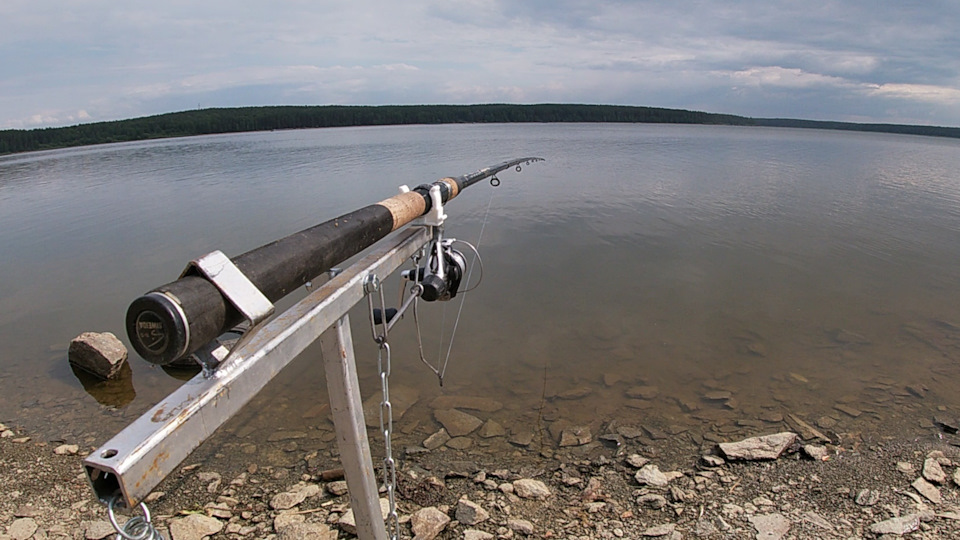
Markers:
347,407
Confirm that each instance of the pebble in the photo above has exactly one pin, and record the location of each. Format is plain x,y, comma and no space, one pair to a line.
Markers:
898,525
66,450
933,472
928,490
23,528
816,452
521,526
337,488
428,522
652,500
758,448
867,497
194,527
659,530
293,497
473,534
99,529
650,475
348,522
307,531
470,513
636,460
527,488
770,526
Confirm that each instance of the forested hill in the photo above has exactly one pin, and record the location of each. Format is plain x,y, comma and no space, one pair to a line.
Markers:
232,120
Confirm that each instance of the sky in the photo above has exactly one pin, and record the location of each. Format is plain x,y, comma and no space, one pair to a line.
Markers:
64,62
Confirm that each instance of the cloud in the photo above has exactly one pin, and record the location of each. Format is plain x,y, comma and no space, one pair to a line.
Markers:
755,57
785,78
940,95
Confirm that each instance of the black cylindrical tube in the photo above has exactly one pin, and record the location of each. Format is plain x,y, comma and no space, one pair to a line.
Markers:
178,318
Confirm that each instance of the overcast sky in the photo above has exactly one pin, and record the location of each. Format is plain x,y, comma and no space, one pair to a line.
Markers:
71,61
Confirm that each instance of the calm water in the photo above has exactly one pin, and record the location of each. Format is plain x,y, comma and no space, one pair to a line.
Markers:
794,270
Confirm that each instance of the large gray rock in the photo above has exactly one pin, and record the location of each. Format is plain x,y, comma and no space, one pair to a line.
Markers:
757,448
428,522
100,354
457,423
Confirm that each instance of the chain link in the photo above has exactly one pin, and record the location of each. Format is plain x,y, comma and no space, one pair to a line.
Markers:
386,428
392,522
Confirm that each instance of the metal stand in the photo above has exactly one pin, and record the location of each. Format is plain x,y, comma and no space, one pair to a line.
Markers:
336,347
136,460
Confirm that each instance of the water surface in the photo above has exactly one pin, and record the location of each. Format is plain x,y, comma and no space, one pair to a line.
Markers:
693,281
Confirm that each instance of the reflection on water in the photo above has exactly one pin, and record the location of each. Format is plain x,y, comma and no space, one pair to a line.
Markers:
659,283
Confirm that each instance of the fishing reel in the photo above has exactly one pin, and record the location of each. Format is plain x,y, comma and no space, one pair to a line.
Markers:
442,272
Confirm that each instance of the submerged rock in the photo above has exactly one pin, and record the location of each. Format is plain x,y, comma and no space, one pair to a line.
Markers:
457,423
100,354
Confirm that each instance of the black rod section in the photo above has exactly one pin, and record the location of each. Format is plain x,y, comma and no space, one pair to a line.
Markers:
176,319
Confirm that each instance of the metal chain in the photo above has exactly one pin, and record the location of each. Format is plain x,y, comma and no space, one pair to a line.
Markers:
392,521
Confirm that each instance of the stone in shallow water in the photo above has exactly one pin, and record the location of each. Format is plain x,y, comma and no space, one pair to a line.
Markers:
100,354
473,403
401,398
491,428
575,436
643,392
759,448
457,423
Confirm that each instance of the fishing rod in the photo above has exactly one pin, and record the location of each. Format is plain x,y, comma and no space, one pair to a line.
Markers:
215,294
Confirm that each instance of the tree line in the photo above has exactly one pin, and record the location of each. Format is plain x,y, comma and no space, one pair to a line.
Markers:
233,120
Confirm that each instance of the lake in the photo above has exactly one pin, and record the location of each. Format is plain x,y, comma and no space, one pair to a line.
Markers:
693,283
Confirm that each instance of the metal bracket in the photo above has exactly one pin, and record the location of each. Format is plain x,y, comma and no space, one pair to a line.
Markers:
240,292
233,284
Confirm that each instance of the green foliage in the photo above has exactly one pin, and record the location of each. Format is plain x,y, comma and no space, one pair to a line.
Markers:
210,121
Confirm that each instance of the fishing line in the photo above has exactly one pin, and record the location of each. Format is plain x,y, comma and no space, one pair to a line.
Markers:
463,298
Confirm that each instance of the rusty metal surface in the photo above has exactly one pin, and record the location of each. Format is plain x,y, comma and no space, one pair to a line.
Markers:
138,458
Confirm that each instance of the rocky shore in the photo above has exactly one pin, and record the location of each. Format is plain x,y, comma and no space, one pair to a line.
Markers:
770,487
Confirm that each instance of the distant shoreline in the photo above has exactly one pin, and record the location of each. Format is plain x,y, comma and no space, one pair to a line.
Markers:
249,119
